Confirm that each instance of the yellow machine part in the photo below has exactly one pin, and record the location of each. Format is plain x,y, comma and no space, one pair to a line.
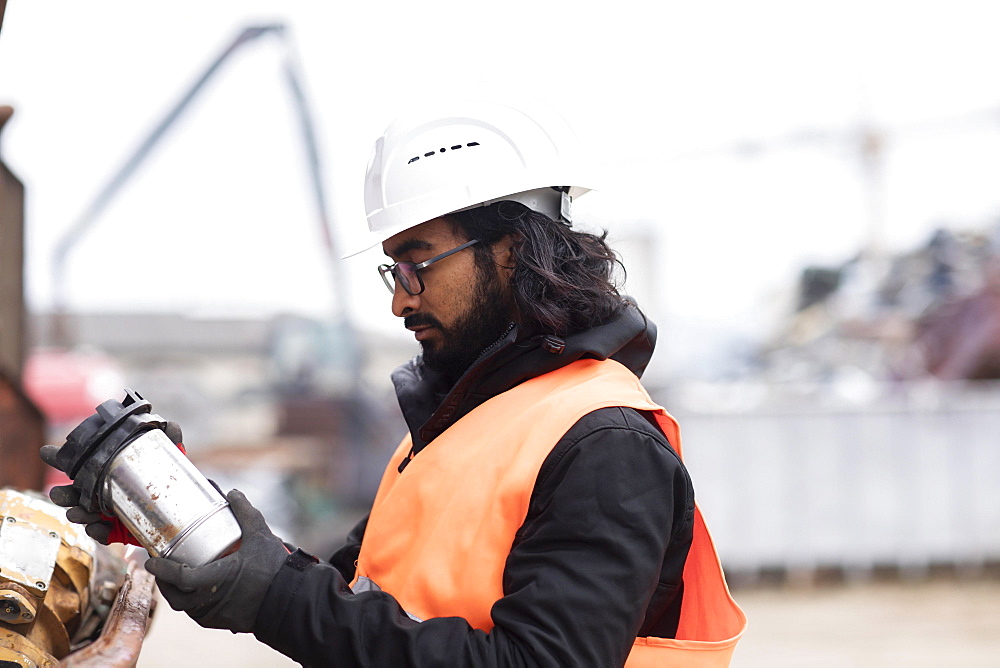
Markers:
56,584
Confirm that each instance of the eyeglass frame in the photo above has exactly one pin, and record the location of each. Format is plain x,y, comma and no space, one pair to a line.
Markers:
387,270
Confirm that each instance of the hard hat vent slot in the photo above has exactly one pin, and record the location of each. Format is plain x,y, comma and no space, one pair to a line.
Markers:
441,150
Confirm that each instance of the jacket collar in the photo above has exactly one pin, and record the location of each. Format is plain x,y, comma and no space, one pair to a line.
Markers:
429,407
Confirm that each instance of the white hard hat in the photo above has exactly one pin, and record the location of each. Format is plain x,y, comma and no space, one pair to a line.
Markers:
472,154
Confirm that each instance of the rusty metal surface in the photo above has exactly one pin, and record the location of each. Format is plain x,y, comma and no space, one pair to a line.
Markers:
15,650
22,433
125,629
47,569
12,316
22,425
50,633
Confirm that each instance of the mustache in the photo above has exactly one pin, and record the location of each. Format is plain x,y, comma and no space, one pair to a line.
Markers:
421,320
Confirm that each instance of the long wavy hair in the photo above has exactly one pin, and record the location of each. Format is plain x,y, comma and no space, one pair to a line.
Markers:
563,280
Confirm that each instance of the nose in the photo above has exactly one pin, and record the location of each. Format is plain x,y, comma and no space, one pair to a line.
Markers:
403,303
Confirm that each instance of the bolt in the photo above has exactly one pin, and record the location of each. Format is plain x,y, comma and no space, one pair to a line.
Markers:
16,608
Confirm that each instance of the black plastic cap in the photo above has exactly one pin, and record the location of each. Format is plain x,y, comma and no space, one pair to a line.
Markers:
89,433
92,444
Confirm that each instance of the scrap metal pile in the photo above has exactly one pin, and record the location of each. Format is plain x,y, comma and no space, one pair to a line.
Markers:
933,312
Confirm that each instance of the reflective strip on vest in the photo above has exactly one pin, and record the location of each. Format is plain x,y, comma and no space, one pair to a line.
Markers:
439,533
361,585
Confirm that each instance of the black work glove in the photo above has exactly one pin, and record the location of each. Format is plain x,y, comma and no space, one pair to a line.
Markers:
100,527
227,593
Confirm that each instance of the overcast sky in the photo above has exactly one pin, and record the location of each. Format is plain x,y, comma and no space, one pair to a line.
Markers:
220,218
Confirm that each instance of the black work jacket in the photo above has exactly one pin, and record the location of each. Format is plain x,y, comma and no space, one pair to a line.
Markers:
597,562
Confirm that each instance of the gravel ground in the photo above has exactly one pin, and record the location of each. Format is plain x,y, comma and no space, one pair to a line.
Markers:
936,623
939,623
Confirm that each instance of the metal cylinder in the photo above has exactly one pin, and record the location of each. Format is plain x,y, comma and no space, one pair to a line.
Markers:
167,503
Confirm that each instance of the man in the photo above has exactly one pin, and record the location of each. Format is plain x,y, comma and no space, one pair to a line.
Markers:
538,512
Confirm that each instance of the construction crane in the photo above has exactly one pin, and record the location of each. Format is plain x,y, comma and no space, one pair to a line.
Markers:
867,143
317,367
293,80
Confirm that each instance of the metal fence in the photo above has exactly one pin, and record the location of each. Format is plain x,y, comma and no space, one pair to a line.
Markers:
908,480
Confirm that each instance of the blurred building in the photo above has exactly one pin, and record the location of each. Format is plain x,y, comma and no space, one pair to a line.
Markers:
290,410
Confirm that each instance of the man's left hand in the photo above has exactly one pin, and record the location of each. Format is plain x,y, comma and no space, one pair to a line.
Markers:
227,593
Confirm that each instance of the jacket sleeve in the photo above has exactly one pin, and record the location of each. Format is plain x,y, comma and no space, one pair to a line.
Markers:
577,582
345,558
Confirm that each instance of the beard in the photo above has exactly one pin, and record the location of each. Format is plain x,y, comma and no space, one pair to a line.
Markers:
479,326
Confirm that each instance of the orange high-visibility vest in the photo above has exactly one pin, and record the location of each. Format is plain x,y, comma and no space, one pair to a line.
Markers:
439,533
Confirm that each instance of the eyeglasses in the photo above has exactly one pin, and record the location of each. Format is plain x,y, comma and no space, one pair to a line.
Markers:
408,273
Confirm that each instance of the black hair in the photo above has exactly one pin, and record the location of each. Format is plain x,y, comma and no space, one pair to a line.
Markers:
563,281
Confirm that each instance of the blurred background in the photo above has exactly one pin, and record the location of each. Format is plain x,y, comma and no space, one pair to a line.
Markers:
805,196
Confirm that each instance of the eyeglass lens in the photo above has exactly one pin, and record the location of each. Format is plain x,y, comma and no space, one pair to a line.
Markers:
406,273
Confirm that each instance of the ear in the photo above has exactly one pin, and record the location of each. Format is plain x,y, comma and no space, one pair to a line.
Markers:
503,255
